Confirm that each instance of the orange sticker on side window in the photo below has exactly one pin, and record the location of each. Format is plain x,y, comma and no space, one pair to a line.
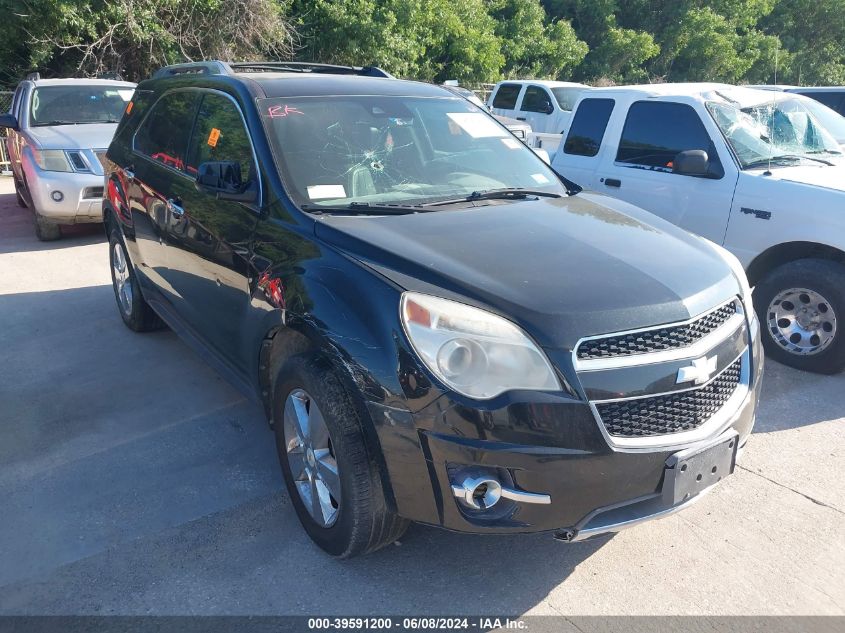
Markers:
213,137
129,107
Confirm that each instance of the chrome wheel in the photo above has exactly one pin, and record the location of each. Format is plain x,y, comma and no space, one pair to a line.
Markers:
801,321
311,458
122,282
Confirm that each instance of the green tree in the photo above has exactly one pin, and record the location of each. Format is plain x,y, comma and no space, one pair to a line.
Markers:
616,53
814,31
135,37
532,45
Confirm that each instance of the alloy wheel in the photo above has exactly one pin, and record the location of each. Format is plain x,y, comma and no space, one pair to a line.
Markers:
122,281
311,458
802,321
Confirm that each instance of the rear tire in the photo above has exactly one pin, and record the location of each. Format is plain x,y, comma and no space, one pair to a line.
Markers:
358,521
134,310
46,230
801,307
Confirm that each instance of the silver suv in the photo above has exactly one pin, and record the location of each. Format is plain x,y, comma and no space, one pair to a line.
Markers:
59,130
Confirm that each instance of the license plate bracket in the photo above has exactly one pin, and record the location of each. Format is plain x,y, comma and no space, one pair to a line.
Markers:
691,471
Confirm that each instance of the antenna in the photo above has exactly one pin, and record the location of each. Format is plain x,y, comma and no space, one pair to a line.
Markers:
772,118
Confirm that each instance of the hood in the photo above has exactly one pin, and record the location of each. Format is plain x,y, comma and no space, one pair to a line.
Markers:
824,176
561,268
79,136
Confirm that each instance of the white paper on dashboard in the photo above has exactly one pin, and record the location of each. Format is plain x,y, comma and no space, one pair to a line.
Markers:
477,124
319,192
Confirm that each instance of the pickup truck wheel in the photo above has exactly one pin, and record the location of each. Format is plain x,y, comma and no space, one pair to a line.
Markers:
46,230
134,310
801,306
334,486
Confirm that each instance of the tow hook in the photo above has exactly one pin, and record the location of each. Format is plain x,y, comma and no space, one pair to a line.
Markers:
567,536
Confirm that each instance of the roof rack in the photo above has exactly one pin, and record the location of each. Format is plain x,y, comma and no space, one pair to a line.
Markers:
33,76
216,67
213,67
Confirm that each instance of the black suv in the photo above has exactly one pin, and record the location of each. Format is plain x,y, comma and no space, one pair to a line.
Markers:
440,328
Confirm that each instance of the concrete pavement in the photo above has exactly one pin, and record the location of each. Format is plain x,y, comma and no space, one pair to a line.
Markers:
134,480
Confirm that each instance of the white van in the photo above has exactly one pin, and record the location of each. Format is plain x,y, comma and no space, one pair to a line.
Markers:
545,105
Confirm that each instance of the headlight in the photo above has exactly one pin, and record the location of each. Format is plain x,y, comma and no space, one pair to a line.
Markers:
51,159
738,271
478,354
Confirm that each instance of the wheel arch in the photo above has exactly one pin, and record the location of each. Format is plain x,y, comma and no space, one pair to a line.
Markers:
299,336
789,252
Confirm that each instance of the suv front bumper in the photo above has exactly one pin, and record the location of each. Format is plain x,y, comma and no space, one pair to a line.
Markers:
81,195
543,445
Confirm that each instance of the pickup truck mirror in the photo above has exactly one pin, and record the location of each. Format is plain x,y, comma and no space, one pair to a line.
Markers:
547,108
222,179
8,120
692,162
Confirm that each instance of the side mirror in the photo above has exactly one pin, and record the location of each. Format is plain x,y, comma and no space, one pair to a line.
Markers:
8,120
543,154
222,179
547,108
692,162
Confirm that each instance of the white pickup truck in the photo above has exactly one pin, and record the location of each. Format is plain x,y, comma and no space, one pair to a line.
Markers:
751,170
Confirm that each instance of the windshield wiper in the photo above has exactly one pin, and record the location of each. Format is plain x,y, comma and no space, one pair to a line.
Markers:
826,151
366,208
764,162
56,122
496,194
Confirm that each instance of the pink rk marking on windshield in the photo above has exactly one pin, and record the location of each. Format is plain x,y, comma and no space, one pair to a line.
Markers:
278,111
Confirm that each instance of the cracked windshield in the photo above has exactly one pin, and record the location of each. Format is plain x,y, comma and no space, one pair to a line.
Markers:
782,132
339,150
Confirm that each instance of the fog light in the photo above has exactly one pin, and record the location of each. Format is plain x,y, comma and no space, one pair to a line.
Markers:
57,196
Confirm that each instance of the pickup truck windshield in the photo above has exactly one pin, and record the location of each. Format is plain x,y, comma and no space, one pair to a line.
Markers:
774,131
67,105
342,149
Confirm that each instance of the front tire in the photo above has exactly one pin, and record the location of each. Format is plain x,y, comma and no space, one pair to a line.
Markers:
46,230
134,310
801,307
333,484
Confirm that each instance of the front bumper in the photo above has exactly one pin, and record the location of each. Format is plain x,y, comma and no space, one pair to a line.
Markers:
535,443
81,195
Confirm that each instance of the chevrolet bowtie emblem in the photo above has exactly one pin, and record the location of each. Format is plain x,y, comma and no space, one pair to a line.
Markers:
699,372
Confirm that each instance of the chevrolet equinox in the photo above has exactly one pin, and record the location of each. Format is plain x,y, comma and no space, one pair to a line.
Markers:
440,328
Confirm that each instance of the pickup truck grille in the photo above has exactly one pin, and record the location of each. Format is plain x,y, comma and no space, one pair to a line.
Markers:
671,413
658,339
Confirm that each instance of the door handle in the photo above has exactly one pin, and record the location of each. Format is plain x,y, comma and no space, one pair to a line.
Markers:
612,182
520,118
175,208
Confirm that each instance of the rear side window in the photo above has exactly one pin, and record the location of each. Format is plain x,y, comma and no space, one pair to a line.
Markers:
588,127
536,99
833,100
506,96
655,132
163,136
219,135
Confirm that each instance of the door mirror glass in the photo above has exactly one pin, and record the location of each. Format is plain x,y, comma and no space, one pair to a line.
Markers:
692,162
222,179
8,121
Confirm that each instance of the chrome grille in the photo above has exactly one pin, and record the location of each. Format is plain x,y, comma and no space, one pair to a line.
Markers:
658,339
671,413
